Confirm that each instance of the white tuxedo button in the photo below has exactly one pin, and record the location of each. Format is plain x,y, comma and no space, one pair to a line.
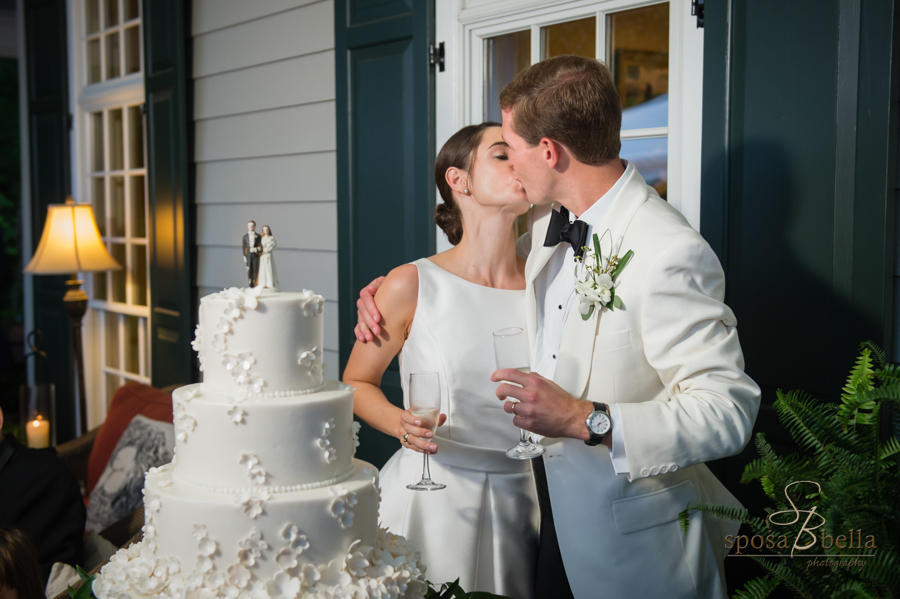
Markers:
663,469
645,472
654,471
673,467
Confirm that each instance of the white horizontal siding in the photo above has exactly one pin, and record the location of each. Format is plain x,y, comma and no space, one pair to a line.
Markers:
223,266
265,144
294,178
307,128
218,14
299,226
296,32
301,80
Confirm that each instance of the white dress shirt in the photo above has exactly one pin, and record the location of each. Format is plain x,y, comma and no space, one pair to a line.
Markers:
555,293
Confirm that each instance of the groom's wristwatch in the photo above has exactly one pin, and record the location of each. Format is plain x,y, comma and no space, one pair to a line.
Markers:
598,423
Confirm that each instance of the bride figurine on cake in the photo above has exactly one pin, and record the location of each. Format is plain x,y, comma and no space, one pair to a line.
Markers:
268,278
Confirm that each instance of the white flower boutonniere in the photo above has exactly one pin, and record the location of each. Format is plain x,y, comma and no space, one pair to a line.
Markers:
595,281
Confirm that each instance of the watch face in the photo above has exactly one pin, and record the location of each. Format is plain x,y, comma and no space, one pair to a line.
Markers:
599,423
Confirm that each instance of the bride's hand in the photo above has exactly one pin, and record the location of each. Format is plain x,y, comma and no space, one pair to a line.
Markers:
416,437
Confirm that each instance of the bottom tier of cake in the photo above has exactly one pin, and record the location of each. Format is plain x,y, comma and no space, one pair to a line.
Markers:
257,544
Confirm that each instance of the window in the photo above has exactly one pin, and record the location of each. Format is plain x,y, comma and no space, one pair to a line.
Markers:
653,49
110,171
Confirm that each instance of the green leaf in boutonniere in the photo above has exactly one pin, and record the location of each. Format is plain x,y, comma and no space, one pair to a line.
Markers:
622,262
595,285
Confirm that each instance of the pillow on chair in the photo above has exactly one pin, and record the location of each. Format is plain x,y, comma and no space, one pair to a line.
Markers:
144,444
127,402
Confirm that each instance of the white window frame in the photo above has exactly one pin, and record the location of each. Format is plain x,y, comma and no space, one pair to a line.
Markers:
463,26
84,99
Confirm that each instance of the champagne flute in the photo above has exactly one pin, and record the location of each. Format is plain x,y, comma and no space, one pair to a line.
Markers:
425,404
511,351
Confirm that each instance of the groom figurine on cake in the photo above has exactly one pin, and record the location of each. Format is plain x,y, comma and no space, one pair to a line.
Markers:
252,250
633,397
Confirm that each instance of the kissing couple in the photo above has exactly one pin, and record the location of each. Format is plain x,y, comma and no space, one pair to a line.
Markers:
637,374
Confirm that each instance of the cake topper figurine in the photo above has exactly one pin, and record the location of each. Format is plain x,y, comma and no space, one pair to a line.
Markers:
268,278
252,251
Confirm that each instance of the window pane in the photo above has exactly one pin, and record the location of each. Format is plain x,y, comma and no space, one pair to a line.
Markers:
112,385
575,37
93,49
639,58
118,276
116,152
117,206
112,339
99,285
650,157
93,16
132,9
505,55
112,56
112,12
132,358
139,275
97,140
135,137
98,200
138,210
132,50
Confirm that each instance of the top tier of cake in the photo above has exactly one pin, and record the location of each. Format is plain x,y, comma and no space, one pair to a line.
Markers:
261,341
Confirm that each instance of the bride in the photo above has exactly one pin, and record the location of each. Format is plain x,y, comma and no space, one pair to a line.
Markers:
439,313
267,275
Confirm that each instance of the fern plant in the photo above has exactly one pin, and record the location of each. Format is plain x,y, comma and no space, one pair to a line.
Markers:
843,490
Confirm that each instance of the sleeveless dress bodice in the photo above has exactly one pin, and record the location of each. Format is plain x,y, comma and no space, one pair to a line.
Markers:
483,527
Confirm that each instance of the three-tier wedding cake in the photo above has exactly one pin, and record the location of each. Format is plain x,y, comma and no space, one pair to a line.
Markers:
264,498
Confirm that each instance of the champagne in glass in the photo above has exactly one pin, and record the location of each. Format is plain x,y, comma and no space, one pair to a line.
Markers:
425,404
511,351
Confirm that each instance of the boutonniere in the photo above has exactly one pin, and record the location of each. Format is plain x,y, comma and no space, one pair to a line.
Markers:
595,281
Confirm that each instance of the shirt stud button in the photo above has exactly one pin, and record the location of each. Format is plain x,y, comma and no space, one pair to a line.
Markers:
560,306
554,356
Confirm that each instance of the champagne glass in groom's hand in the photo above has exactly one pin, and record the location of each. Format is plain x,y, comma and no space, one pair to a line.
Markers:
425,404
511,351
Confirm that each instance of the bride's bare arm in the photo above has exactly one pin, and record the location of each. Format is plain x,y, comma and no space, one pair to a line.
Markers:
396,303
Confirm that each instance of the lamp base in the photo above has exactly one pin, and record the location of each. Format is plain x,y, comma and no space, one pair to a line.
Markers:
75,301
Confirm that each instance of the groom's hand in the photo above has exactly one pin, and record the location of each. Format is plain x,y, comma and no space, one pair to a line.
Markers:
544,407
368,317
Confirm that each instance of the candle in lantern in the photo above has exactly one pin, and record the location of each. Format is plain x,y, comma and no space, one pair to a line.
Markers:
38,431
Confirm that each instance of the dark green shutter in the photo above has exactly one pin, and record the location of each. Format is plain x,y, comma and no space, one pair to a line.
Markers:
385,157
167,77
797,191
48,132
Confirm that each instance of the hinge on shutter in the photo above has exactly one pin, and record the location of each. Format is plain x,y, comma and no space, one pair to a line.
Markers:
69,121
697,11
436,55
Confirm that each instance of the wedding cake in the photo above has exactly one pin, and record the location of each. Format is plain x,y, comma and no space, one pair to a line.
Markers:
264,498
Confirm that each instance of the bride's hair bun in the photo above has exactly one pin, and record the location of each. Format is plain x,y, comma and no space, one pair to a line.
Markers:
458,152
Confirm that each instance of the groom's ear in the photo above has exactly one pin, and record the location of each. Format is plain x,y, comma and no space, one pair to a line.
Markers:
551,152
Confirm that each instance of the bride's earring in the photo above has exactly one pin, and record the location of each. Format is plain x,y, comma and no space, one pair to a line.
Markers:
466,190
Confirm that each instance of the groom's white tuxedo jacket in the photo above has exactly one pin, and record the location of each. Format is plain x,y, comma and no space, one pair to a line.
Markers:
670,358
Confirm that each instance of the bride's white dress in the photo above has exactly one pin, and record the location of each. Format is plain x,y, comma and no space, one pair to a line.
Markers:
483,528
267,275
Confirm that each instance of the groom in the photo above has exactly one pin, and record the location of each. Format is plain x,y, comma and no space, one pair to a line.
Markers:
632,400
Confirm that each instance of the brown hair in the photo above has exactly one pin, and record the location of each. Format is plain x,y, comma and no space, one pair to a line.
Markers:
570,99
19,567
458,152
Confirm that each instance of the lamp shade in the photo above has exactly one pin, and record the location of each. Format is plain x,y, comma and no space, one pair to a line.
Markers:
70,243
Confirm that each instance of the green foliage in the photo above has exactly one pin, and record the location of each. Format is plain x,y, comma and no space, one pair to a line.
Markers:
452,590
85,591
847,478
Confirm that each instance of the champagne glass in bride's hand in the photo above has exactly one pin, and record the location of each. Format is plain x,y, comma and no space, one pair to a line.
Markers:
425,404
511,351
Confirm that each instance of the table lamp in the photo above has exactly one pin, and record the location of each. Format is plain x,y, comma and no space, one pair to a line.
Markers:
71,244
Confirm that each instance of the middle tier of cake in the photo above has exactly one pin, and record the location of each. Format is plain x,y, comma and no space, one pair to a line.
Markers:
281,444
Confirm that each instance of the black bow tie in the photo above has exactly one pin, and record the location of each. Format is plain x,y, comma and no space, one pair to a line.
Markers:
561,230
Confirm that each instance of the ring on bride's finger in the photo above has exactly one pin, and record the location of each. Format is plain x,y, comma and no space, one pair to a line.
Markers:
514,410
406,437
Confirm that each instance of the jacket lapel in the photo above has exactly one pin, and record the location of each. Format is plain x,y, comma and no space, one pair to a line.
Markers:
537,259
576,350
